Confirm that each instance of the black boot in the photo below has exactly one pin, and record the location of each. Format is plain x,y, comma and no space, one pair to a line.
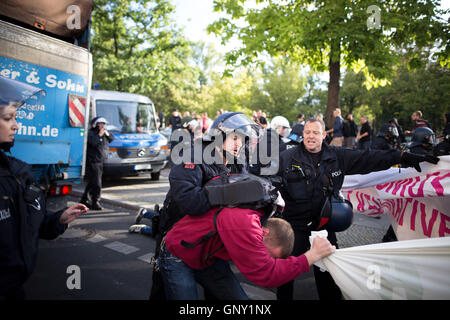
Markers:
96,206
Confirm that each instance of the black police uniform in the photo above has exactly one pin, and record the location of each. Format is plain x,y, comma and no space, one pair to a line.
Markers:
23,220
380,143
97,148
186,196
305,176
255,168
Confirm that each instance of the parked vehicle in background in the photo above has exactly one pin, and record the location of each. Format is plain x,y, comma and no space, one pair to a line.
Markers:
138,146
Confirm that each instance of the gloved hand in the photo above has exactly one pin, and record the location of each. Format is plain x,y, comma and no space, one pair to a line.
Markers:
409,159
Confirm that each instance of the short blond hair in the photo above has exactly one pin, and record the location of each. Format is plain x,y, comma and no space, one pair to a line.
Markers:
280,235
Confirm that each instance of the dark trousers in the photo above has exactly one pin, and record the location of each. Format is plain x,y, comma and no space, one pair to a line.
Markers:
94,172
326,287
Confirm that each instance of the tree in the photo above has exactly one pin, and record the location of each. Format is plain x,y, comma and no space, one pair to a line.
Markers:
136,48
330,34
426,89
278,88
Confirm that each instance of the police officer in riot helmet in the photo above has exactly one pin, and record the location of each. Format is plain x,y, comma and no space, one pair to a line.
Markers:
228,141
423,141
281,126
387,138
24,218
401,134
295,137
313,174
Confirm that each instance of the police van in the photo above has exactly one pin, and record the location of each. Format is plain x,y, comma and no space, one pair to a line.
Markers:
138,146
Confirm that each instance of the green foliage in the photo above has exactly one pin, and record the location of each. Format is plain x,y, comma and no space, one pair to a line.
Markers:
137,49
317,33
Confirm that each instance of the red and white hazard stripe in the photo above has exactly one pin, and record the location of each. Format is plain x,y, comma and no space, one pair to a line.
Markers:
77,110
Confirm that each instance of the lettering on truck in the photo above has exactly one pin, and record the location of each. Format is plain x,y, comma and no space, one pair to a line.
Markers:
46,131
51,81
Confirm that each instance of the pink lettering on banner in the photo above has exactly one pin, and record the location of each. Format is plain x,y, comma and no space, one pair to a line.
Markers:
402,204
360,198
413,215
408,186
427,229
443,229
436,183
408,182
420,188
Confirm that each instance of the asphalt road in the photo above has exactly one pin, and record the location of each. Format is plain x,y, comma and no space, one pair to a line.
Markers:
98,259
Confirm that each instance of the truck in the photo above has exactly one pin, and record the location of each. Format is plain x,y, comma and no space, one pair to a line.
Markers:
36,49
138,146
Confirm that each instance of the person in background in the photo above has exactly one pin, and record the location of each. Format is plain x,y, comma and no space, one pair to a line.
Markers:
350,131
443,148
97,147
24,218
205,122
262,121
416,117
175,120
338,129
298,127
423,141
401,133
364,134
162,120
386,138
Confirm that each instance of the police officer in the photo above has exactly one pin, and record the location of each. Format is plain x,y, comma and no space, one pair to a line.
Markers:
281,126
228,138
295,137
23,215
423,141
97,147
312,173
387,138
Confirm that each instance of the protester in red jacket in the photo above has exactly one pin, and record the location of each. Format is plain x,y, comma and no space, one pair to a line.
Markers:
260,253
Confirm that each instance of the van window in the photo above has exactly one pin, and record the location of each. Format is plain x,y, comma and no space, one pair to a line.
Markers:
127,116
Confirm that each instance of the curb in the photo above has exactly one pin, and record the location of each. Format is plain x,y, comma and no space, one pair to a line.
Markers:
125,205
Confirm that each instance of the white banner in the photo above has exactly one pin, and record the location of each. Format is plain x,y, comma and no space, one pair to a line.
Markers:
418,204
406,270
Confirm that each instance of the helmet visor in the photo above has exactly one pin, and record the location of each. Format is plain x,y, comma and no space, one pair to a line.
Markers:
242,125
16,93
430,139
394,132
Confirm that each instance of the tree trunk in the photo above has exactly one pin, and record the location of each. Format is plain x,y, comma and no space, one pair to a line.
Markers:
333,84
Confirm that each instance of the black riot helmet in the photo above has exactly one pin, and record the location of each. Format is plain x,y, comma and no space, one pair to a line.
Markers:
388,130
233,122
423,135
336,215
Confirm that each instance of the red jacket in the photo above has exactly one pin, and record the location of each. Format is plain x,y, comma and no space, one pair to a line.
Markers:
240,233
